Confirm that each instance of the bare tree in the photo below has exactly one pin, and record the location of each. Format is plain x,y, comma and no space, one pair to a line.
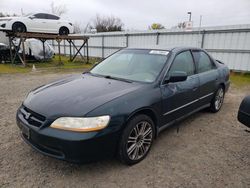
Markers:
77,27
106,24
86,29
58,10
7,15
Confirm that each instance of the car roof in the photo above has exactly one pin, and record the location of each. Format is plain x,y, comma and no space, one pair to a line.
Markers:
159,47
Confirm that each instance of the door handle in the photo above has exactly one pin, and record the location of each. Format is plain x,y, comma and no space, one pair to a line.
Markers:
195,88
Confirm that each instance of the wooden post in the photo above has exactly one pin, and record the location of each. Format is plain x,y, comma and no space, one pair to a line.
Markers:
10,46
87,46
43,41
24,55
70,51
59,51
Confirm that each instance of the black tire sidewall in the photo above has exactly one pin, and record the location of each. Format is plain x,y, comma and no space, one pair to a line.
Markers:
63,31
122,148
18,25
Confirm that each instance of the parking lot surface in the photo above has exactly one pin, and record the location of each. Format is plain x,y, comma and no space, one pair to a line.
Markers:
210,150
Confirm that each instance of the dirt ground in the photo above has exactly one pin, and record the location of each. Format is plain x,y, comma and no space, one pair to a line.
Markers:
210,150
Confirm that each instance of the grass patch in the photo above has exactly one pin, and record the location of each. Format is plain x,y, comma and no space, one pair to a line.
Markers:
240,79
51,65
8,68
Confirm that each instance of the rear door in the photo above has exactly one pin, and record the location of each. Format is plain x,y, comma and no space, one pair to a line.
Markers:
52,23
208,76
180,98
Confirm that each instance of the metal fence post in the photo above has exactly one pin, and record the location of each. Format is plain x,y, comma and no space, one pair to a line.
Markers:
64,47
157,38
126,35
202,38
102,46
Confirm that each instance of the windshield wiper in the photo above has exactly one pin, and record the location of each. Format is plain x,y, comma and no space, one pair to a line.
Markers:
115,78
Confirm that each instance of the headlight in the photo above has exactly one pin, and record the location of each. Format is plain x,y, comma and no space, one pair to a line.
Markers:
79,124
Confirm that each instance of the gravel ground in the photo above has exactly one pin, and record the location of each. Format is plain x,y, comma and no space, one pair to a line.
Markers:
210,150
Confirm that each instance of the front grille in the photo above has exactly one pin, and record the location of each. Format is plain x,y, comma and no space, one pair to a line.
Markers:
31,117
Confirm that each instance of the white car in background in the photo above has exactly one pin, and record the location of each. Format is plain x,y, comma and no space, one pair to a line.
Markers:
38,22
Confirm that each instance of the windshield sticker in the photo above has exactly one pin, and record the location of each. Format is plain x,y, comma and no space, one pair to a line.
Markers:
159,52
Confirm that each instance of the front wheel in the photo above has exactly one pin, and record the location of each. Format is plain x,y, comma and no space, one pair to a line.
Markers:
136,140
218,100
18,27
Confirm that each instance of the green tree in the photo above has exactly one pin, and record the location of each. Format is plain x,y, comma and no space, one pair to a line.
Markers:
155,26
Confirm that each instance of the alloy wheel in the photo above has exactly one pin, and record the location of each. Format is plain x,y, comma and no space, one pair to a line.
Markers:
219,98
139,140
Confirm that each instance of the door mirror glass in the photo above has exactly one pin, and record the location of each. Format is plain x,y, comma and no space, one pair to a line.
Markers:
177,76
32,17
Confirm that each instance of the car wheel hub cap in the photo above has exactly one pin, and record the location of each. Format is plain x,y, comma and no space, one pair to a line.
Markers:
139,140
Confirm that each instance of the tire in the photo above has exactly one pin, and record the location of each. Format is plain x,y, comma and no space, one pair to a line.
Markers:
63,31
218,99
136,140
19,27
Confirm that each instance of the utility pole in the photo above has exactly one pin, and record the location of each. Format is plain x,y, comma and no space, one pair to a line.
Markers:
200,21
190,16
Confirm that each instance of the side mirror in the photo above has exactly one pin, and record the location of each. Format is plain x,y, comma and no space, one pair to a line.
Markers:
244,112
96,63
176,76
31,17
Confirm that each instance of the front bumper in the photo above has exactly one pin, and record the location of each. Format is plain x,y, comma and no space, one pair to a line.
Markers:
69,146
227,85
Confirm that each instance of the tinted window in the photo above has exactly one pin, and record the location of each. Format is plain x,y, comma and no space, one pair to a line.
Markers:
40,16
203,61
183,62
52,17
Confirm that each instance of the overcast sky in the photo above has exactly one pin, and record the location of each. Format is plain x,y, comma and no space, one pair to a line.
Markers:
139,14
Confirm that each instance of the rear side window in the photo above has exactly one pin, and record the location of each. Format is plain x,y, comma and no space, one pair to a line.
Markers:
183,62
203,61
52,17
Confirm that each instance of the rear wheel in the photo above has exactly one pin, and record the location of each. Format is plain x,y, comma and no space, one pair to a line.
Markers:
63,31
18,27
136,140
218,100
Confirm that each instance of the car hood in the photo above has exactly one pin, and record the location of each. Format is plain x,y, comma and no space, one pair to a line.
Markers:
76,95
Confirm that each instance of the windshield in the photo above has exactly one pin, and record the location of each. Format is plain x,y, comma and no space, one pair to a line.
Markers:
134,65
29,14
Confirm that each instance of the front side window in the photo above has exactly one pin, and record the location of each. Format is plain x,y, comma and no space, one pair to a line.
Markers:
40,16
183,62
203,61
133,64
